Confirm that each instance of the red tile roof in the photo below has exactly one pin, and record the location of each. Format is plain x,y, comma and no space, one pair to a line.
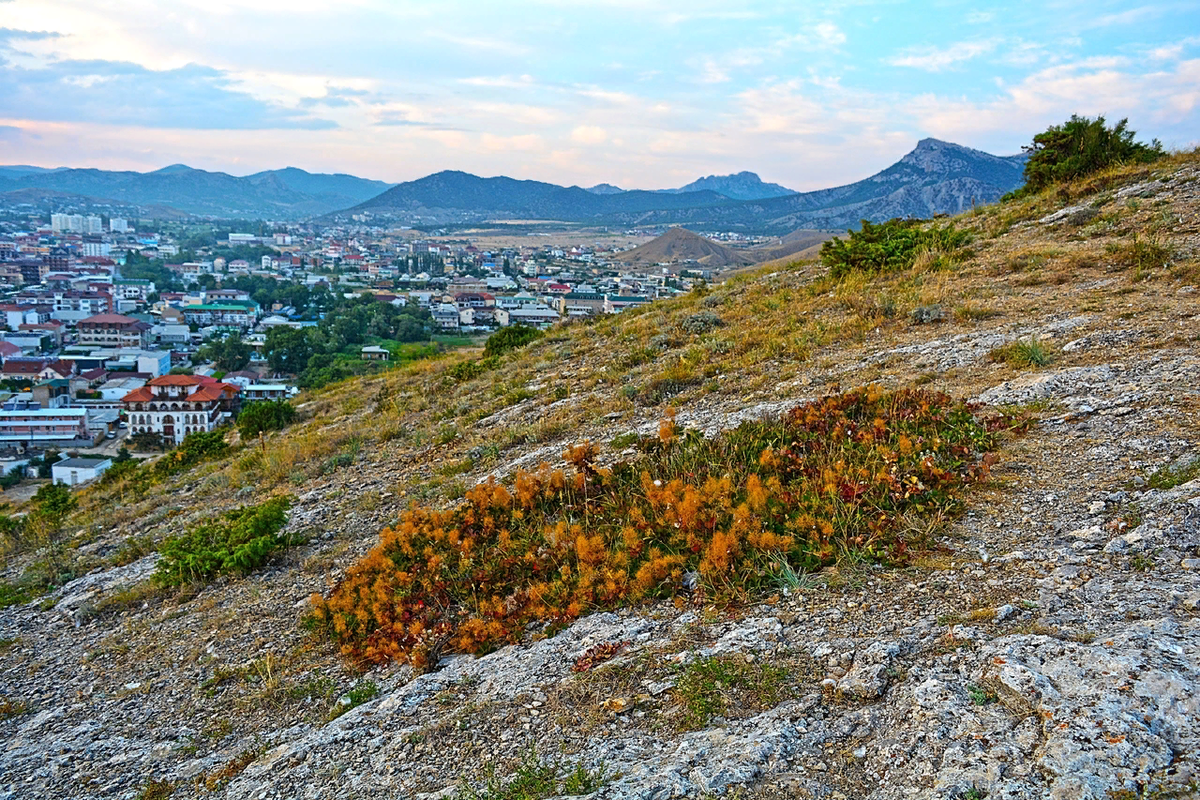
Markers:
210,389
63,367
109,319
12,367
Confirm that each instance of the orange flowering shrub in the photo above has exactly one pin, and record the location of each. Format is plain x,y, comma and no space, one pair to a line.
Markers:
833,476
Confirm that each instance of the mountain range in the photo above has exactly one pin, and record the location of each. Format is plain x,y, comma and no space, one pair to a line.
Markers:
936,177
284,194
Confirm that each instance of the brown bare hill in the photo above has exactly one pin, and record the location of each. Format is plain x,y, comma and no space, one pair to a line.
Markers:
679,246
797,245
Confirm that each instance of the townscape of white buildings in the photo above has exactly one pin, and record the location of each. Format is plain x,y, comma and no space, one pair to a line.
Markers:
86,354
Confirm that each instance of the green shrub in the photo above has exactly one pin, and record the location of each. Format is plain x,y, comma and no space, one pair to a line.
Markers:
265,415
13,594
510,338
467,370
237,543
195,447
889,246
1080,147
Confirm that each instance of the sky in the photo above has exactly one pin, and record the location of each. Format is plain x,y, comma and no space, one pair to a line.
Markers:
637,93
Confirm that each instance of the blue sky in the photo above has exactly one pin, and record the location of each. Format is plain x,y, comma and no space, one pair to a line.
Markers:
640,93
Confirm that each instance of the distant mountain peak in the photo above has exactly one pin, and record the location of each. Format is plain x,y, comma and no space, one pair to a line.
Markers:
604,188
744,185
934,155
172,169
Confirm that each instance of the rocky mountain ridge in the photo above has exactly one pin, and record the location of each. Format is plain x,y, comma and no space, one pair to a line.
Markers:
284,194
1041,645
935,178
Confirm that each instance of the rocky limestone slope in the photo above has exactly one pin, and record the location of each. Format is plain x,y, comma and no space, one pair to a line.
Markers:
1043,645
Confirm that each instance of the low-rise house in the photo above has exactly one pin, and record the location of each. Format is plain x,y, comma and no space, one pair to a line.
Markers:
374,352
538,316
22,369
59,369
614,303
54,393
132,289
17,315
445,316
117,387
74,471
53,328
266,391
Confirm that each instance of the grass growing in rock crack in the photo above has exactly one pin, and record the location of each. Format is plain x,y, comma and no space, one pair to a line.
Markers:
13,708
362,692
1024,353
980,695
712,687
155,789
1169,477
533,779
220,778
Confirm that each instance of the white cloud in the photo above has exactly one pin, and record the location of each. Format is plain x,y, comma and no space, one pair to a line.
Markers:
933,59
1089,87
589,135
829,34
500,81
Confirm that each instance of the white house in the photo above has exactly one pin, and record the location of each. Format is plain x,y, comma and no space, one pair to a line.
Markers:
74,471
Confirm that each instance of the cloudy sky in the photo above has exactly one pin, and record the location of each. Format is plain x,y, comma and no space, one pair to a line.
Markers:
640,93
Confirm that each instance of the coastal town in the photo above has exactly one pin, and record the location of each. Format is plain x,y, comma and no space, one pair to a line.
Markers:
125,334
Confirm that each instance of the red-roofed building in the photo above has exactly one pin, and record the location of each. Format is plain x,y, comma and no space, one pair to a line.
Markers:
28,369
113,330
58,369
175,405
9,350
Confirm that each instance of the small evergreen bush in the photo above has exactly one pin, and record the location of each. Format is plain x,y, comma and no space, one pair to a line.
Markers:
1080,147
194,448
510,338
236,543
265,415
890,246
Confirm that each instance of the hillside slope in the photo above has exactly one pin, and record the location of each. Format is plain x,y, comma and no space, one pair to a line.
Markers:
678,246
1041,644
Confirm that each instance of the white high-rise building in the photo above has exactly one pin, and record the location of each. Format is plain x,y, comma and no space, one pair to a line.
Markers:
118,225
92,224
66,223
97,249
